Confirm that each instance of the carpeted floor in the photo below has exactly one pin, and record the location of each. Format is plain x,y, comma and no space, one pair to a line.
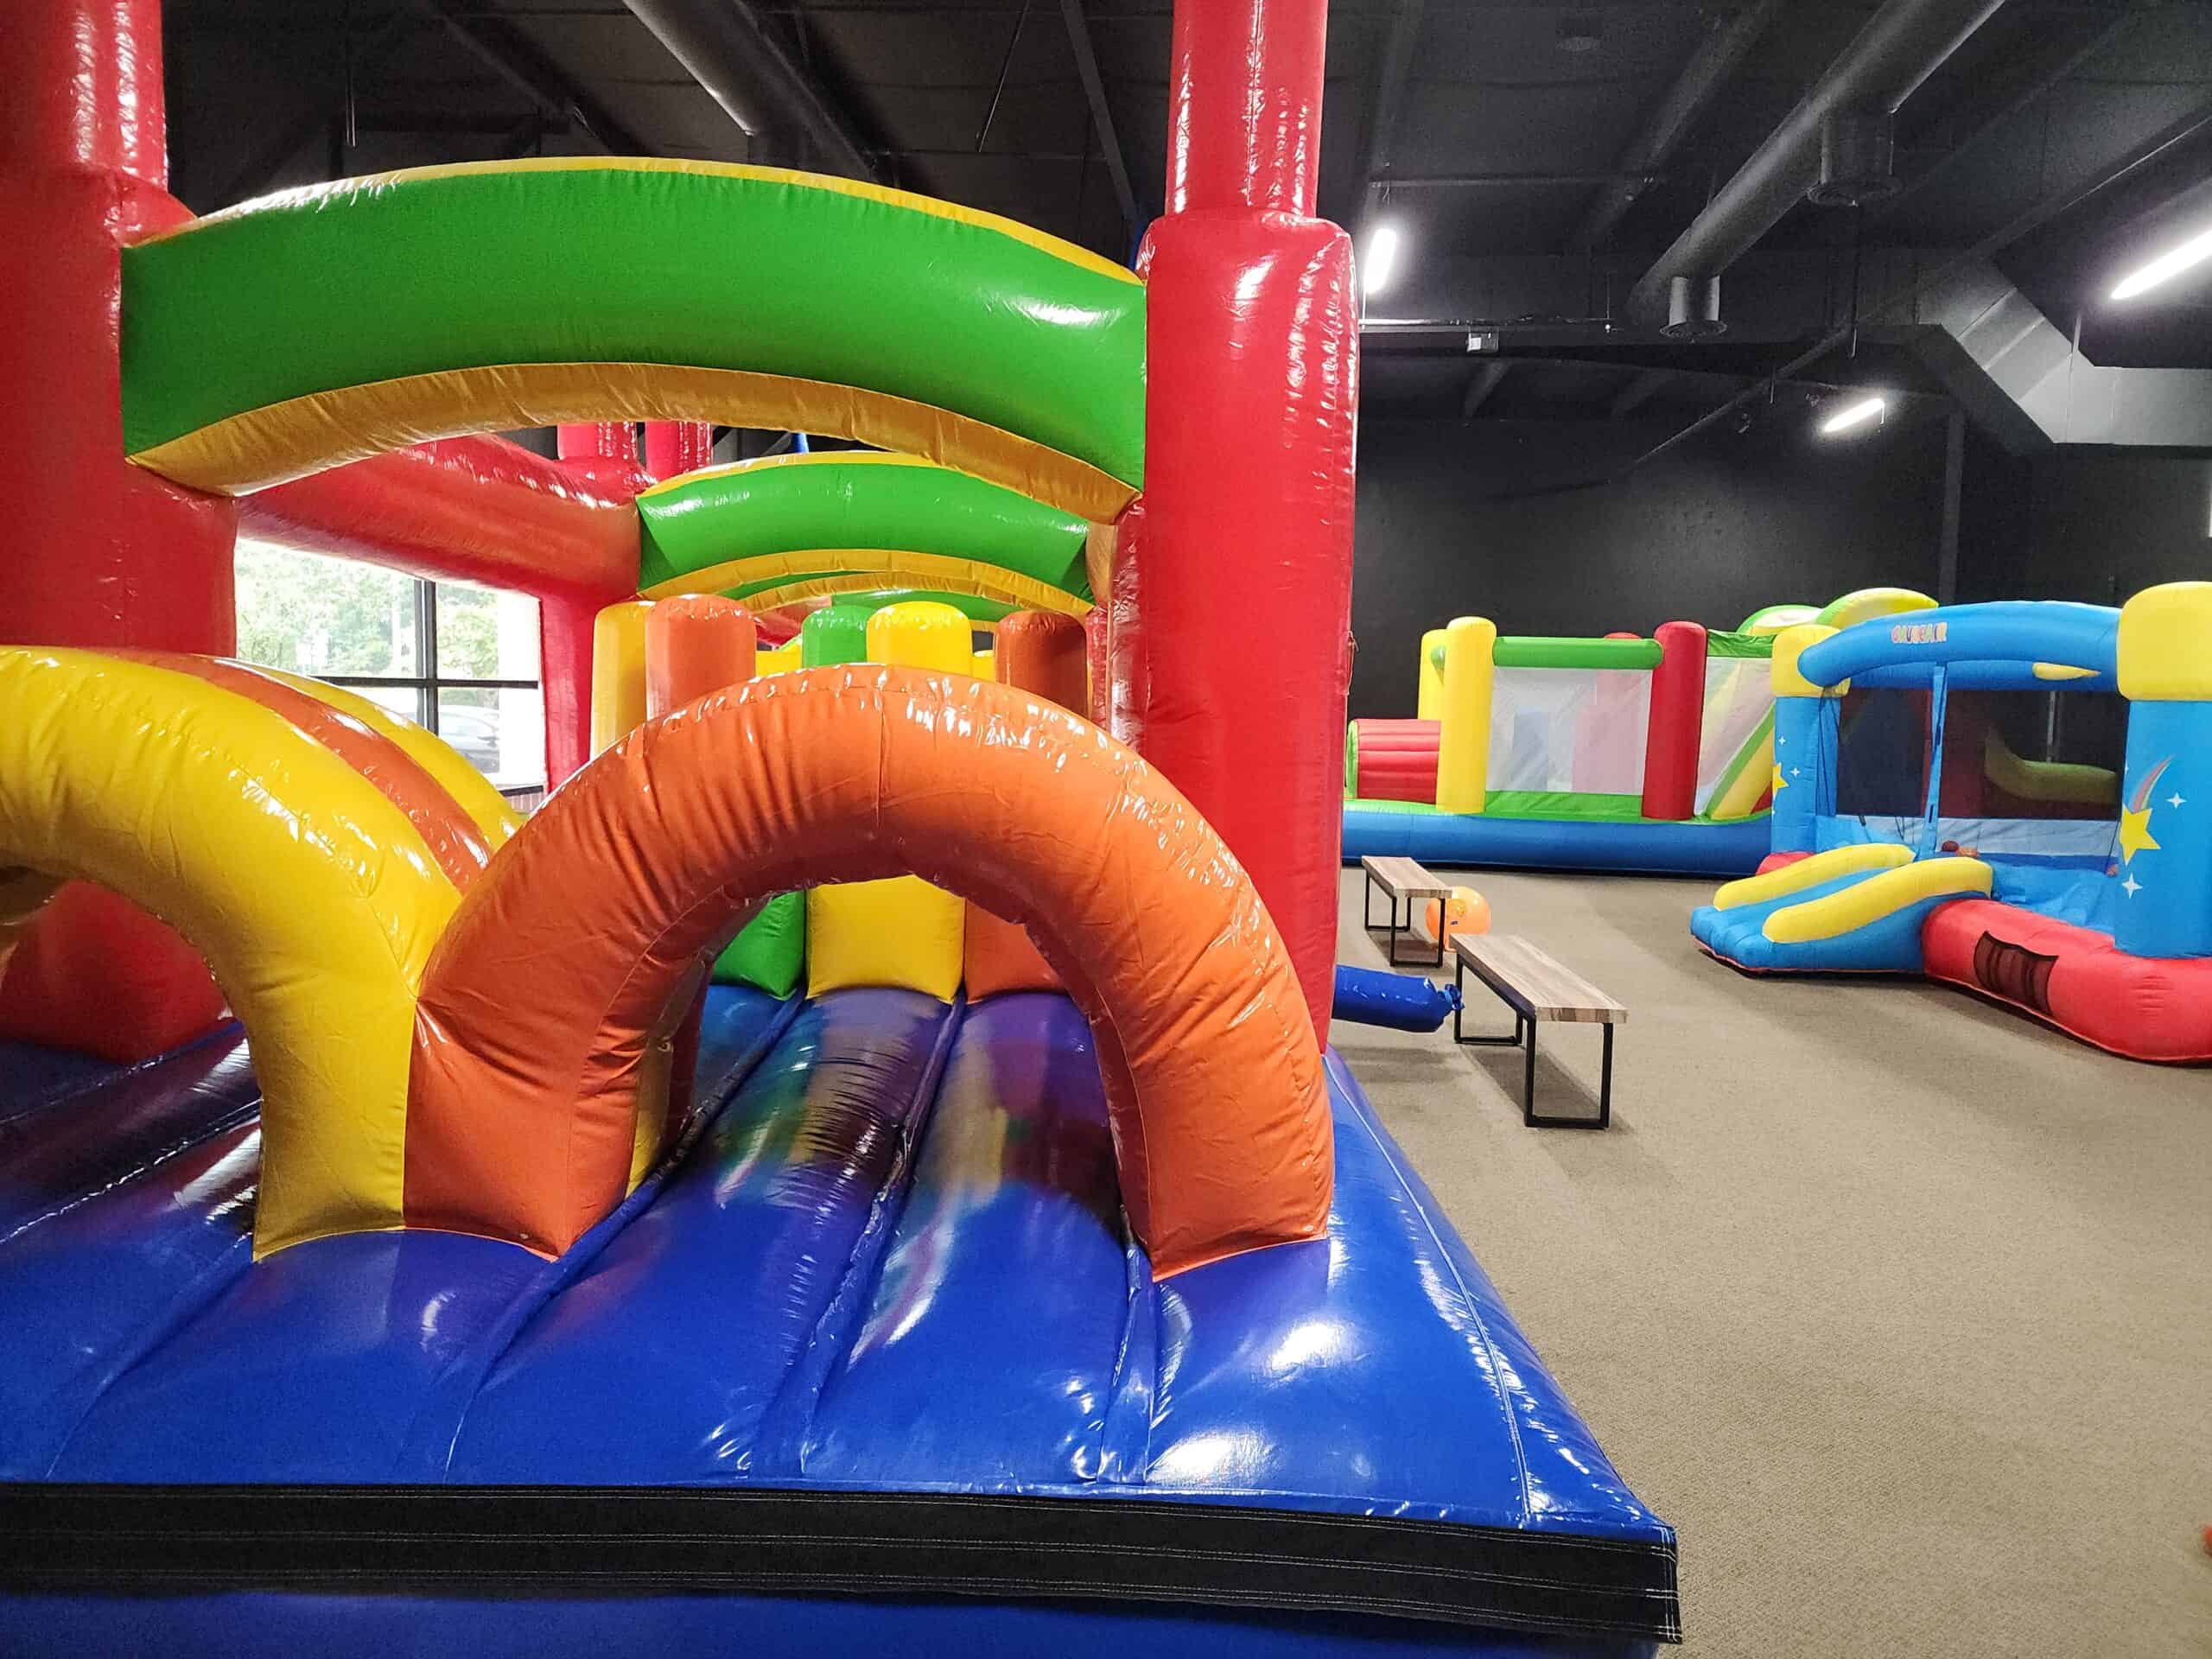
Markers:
1896,1306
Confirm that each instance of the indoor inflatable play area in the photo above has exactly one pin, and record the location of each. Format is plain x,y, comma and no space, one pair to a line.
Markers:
861,1165
1613,753
774,879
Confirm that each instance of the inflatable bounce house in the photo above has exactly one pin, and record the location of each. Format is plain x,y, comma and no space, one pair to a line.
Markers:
1958,793
526,1242
1619,753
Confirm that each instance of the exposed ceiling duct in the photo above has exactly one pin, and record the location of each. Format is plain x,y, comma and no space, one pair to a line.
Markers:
747,71
2021,376
1902,44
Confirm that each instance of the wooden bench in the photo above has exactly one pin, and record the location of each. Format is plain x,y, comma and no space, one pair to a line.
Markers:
1537,987
1400,878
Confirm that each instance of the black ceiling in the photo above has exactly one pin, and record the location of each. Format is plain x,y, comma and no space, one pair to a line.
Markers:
981,103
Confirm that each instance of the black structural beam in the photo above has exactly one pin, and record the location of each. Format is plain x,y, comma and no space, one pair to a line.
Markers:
1984,112
1486,379
504,50
265,163
1638,391
1390,96
1672,117
1901,45
746,69
1094,88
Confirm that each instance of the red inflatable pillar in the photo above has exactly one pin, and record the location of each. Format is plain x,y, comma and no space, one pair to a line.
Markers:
1243,565
596,441
100,552
565,625
1670,745
673,448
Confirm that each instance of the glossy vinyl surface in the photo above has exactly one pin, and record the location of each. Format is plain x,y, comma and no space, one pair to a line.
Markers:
893,1260
755,524
388,1627
662,288
1692,848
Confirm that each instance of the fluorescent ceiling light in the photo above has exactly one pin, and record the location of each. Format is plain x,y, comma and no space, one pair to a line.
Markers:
1382,260
1856,414
2172,262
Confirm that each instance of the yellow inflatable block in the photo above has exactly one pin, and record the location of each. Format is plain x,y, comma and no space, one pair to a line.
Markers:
922,633
618,672
902,931
2165,644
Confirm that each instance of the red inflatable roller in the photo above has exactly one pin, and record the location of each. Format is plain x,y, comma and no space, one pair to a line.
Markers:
1395,760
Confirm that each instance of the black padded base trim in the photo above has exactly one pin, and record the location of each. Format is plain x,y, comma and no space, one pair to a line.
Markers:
629,1540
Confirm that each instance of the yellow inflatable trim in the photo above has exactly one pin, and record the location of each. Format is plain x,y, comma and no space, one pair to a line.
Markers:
1876,897
471,790
280,442
788,457
314,899
861,569
1811,872
930,206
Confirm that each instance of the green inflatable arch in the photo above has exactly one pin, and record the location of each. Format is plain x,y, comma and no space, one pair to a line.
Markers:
319,326
797,526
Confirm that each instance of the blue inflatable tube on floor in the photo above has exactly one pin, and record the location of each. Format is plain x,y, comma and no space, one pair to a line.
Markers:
1372,996
874,1363
1477,839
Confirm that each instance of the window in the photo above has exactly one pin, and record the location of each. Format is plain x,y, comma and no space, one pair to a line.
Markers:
460,659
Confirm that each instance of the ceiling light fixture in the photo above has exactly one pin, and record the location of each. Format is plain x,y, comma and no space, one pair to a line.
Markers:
1382,262
2172,262
1857,413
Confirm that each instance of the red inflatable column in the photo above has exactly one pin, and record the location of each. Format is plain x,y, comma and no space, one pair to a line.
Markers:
673,448
596,441
1670,745
565,625
100,552
1244,562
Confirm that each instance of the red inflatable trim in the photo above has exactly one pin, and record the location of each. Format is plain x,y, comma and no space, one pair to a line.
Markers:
2075,978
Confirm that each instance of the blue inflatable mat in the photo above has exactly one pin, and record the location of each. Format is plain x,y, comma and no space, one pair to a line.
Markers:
880,1329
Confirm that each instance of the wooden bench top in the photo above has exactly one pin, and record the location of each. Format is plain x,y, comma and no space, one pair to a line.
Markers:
1403,876
1523,973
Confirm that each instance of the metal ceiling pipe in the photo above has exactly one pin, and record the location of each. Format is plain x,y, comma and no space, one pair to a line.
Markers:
1900,46
744,69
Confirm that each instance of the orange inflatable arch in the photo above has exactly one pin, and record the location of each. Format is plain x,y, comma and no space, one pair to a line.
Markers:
546,1009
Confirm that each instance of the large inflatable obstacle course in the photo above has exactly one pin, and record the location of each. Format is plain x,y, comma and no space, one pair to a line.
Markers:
1614,754
859,1167
2014,798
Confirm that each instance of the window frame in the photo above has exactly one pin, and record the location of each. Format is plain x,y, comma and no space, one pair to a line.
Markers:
429,683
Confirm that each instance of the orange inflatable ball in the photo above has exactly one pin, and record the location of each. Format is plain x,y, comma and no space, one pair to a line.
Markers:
1468,912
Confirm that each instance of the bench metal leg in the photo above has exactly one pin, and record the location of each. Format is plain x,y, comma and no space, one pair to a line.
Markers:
1459,984
1524,1033
1604,1117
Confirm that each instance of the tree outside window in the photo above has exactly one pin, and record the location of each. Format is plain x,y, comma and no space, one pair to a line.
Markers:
460,659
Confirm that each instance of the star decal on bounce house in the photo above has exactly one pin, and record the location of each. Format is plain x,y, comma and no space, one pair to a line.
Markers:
2135,817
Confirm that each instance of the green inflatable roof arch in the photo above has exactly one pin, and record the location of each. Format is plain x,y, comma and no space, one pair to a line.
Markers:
319,325
758,525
